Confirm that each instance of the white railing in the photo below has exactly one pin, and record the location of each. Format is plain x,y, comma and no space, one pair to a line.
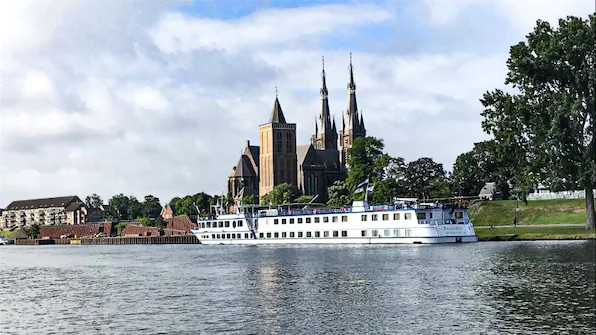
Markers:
558,195
435,222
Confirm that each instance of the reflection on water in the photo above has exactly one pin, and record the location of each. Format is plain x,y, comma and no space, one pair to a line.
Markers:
482,288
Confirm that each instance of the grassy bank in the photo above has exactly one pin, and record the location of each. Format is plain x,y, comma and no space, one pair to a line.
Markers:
11,235
536,212
536,233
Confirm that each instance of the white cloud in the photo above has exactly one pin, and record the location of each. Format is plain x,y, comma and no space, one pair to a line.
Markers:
133,97
176,32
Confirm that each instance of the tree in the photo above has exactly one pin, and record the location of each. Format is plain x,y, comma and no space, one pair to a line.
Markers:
548,125
125,208
364,160
481,165
249,200
93,201
281,194
33,230
203,201
426,179
339,194
303,199
151,207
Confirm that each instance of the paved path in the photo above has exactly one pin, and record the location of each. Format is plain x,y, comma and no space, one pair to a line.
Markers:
536,225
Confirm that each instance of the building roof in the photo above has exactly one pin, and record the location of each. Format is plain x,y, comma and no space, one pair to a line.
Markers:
43,203
254,152
277,115
73,206
244,168
329,157
488,188
301,152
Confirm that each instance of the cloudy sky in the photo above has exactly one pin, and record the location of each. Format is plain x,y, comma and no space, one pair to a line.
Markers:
158,97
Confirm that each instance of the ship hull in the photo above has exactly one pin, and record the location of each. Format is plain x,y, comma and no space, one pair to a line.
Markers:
344,240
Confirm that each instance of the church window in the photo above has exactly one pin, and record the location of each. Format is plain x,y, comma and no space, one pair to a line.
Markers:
289,143
278,149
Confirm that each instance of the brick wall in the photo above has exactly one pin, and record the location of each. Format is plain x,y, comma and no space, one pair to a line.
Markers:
83,230
180,223
138,230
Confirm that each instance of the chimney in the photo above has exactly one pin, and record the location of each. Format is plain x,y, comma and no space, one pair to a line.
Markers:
247,143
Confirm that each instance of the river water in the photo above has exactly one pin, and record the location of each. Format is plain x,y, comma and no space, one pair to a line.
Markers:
480,288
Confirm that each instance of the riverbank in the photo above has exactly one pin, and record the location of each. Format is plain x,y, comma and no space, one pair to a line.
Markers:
535,233
536,212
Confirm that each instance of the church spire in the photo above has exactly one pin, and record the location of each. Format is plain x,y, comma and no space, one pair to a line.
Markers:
277,115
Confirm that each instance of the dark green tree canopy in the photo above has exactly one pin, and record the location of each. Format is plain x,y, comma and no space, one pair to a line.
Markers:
547,125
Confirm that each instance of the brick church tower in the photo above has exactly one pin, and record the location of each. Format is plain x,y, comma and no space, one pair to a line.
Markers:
277,158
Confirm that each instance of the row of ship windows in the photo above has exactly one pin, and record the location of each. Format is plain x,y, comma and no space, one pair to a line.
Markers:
317,219
327,233
222,224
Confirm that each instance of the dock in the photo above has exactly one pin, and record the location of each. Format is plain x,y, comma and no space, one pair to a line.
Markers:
179,239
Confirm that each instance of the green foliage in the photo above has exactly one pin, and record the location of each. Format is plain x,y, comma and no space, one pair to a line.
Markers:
145,221
426,179
281,194
365,158
93,201
151,207
248,200
537,233
120,226
33,230
485,163
125,208
339,194
548,126
305,198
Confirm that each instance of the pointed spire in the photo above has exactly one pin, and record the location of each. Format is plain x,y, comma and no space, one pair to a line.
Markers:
324,92
277,115
351,84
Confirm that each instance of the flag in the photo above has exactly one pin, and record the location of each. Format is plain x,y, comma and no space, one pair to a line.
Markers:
362,184
360,188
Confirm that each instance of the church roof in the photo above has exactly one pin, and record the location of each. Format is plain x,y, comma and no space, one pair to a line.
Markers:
301,152
277,115
329,157
244,168
254,152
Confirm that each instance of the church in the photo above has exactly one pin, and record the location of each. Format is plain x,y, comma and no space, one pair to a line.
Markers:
311,167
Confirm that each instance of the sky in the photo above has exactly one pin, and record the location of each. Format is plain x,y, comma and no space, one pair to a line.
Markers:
159,97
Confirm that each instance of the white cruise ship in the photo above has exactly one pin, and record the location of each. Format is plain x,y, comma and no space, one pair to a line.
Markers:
408,221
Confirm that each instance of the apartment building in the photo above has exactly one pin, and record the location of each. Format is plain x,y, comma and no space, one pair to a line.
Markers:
47,211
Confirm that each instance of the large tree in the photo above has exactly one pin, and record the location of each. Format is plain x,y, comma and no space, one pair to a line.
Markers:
364,161
548,123
93,200
426,179
483,164
151,207
125,208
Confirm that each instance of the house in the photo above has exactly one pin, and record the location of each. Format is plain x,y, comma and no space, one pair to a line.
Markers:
167,212
489,192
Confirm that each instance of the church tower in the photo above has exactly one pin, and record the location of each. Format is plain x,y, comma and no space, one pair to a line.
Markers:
325,136
277,157
352,125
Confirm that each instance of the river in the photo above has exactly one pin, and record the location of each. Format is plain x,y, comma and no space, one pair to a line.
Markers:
479,288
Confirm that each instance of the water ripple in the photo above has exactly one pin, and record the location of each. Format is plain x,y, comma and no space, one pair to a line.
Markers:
482,288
